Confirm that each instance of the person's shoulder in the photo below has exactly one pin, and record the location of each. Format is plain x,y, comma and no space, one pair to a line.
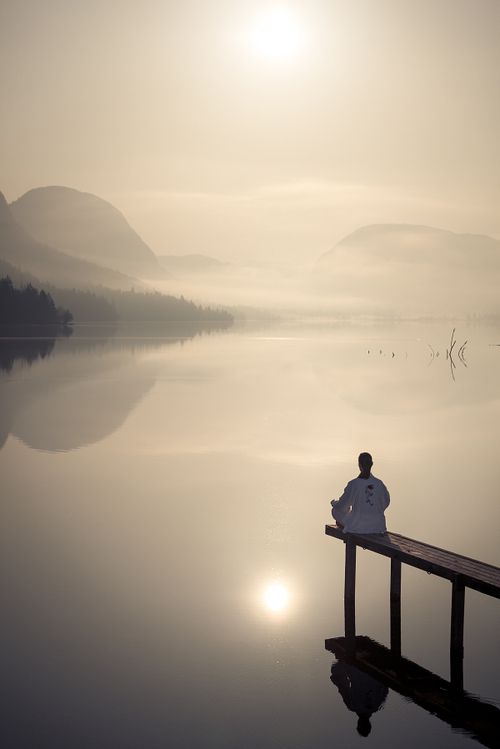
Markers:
378,481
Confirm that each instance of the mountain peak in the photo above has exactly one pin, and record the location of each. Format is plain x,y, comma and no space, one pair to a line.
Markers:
4,207
85,226
409,243
20,249
375,231
412,269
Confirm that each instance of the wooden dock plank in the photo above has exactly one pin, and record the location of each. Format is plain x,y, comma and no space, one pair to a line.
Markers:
475,574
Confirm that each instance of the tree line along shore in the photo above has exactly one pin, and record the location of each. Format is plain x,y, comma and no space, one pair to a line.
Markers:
25,303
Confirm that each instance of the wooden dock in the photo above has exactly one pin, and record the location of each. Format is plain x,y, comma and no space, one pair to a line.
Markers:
427,690
463,572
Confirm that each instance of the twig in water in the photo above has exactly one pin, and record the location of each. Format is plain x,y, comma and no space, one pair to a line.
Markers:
452,367
452,341
449,354
461,353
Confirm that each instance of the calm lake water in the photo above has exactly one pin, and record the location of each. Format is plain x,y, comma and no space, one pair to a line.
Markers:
166,580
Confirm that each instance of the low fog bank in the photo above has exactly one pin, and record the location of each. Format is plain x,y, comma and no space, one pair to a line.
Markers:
251,290
397,271
68,239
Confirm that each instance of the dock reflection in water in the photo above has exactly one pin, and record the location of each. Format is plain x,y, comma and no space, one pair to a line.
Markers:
365,672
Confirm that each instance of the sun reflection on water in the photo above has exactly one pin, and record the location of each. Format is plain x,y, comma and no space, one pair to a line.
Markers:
276,598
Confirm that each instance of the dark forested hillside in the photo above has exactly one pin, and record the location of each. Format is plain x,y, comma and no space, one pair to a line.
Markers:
142,307
107,305
85,306
29,306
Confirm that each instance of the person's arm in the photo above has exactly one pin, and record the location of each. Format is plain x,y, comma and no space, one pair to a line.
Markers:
341,507
386,496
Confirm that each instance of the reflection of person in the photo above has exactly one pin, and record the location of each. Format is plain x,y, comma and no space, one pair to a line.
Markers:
361,507
362,694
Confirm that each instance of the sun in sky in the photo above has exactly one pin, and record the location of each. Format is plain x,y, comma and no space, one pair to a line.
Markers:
277,34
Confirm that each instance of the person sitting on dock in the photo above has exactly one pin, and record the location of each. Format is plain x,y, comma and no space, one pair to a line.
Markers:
361,507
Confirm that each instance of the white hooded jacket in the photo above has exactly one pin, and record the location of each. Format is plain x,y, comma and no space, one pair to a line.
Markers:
361,507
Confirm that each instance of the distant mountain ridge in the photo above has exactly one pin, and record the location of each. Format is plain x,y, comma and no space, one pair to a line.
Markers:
404,269
82,285
46,263
84,225
418,243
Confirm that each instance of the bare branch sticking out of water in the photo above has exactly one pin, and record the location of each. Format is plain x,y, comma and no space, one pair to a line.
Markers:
452,367
452,343
433,354
461,353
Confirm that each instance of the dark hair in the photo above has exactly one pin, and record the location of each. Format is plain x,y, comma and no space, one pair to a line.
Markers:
364,726
365,459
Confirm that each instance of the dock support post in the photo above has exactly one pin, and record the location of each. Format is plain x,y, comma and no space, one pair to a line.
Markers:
350,592
457,633
396,606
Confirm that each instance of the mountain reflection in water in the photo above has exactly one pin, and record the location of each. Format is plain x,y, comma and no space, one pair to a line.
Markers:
68,401
26,344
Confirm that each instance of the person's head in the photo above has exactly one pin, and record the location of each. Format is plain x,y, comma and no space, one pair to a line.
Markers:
364,726
365,462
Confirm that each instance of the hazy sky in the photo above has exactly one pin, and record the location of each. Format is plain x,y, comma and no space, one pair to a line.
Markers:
235,129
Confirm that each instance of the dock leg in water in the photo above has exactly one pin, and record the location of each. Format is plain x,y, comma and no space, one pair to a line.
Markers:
350,592
457,634
396,606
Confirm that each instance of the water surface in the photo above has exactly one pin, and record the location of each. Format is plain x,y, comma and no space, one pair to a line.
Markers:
166,579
